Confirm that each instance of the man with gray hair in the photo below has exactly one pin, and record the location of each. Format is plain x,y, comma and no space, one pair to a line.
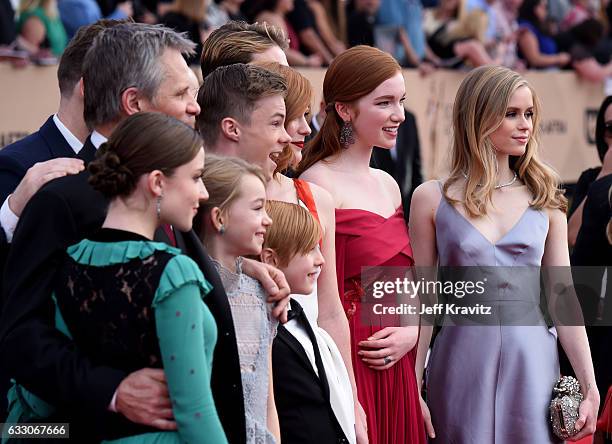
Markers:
130,68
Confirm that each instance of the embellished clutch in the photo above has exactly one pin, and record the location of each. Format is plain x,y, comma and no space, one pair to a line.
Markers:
564,407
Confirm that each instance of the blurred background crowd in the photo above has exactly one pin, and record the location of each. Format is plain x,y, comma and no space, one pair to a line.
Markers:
424,34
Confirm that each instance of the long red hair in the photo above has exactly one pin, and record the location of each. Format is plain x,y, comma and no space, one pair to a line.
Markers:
352,75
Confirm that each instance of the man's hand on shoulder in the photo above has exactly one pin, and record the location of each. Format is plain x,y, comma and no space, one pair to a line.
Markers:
274,282
38,175
142,397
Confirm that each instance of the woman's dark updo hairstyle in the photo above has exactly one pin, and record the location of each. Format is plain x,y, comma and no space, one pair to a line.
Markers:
142,143
600,128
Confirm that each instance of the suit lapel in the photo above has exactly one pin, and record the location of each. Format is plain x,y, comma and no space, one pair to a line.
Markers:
58,145
283,334
88,152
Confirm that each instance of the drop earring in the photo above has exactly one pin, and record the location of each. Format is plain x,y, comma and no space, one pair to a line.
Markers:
346,135
158,206
221,229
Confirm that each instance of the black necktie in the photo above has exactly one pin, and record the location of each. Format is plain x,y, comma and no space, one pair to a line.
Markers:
297,313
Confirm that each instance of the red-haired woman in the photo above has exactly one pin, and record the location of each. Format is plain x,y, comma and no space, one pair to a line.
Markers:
364,92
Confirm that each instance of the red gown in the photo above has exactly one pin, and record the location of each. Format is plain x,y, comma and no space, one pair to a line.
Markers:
390,397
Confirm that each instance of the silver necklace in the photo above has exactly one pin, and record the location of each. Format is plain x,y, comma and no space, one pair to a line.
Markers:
501,185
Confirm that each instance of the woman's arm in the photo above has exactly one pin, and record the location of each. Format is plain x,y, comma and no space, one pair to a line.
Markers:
425,201
528,43
272,416
311,40
573,338
335,46
331,313
180,315
332,318
411,55
591,70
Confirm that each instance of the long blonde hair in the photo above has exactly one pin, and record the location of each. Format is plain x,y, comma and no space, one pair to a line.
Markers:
479,109
49,6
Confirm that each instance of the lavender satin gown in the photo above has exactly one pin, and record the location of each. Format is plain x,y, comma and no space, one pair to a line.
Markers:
492,384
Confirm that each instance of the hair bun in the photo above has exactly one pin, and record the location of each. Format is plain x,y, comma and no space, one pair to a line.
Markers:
108,175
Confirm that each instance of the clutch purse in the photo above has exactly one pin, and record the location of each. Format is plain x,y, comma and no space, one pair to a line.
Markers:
564,407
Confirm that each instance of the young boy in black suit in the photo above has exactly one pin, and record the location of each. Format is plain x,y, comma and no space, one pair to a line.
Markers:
311,387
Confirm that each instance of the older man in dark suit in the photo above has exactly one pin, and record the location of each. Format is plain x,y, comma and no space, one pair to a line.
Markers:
130,68
61,136
48,153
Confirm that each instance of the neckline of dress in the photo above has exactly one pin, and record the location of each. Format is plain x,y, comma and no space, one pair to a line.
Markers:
489,241
371,212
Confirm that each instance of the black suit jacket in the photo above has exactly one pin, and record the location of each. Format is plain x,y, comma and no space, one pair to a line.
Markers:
302,398
15,159
44,361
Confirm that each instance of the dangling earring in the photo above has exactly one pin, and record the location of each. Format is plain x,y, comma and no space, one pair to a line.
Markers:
158,206
346,135
221,229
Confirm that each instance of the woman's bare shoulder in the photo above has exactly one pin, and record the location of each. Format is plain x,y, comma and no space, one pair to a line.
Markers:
319,174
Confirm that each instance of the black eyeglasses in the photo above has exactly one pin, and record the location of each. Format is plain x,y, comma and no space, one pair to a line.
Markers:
608,129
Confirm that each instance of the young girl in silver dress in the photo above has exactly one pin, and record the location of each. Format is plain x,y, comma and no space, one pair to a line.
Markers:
232,224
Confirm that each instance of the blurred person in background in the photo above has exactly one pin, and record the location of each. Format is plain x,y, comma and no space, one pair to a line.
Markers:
222,11
589,51
536,42
456,39
507,30
313,31
274,13
579,12
603,142
592,253
8,33
326,27
188,16
77,13
40,27
361,21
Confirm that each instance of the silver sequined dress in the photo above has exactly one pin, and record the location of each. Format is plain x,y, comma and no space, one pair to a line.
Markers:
255,329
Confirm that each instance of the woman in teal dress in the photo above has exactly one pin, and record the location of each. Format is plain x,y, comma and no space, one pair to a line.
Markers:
40,26
131,303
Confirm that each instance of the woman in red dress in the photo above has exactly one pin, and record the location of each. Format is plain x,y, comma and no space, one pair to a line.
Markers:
364,92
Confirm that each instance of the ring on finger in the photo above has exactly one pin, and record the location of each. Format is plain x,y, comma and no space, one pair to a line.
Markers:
387,360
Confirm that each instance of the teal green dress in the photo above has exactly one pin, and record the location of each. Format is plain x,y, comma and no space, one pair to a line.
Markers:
104,306
55,33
